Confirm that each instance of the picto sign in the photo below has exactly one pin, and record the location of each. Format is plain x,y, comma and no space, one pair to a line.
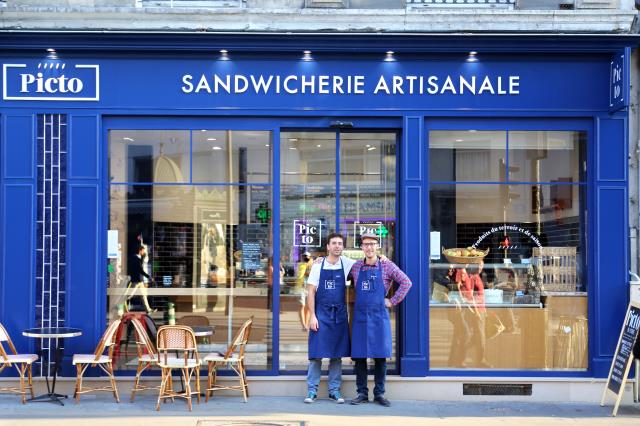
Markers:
361,228
618,81
623,357
307,233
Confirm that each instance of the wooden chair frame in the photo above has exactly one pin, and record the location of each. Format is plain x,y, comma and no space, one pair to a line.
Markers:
22,367
107,341
234,359
169,358
147,356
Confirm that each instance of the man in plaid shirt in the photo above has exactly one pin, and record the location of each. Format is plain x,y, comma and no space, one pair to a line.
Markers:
371,332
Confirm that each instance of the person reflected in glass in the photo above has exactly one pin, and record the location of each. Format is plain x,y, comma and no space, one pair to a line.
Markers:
138,274
472,293
302,273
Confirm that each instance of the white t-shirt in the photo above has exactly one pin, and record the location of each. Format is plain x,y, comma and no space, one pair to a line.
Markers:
314,275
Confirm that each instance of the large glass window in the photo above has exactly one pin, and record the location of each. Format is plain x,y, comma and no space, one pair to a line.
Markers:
318,197
508,285
208,247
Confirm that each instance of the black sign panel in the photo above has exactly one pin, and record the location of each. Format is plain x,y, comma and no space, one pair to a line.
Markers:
624,352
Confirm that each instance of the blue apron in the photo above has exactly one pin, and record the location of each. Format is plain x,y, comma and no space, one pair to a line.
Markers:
371,333
332,338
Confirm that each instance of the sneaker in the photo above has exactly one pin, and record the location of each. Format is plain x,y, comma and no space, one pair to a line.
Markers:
382,401
311,397
337,397
360,399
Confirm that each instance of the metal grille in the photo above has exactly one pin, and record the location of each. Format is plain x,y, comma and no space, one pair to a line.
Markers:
499,389
194,4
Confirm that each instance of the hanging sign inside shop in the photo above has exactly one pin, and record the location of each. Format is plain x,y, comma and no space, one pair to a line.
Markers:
361,228
50,80
351,84
307,233
251,256
623,357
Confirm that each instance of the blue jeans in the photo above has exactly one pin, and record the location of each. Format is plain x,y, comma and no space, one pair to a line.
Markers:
380,373
315,370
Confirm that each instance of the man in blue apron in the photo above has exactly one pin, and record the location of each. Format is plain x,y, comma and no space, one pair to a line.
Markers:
328,324
371,331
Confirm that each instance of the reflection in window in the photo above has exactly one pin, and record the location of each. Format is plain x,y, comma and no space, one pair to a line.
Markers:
506,268
208,257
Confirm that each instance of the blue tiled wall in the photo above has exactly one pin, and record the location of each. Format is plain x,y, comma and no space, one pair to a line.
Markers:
51,224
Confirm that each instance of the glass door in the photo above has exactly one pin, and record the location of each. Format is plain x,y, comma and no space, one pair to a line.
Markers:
330,181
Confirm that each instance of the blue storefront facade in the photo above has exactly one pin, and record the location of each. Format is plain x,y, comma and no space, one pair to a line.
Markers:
516,144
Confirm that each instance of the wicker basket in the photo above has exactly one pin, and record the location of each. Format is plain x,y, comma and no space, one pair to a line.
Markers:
558,267
465,259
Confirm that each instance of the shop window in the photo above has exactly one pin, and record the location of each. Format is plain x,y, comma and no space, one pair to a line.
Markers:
316,199
507,277
207,248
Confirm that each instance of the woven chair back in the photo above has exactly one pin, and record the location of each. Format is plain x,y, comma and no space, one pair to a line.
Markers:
240,340
143,341
177,338
107,340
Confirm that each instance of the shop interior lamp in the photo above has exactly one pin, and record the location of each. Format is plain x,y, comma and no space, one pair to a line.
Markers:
224,55
472,56
389,56
306,56
52,54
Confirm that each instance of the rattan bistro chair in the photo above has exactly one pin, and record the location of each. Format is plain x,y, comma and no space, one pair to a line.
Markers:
98,358
233,358
147,356
177,349
22,363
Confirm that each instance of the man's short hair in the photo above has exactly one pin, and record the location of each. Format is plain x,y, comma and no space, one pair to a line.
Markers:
334,235
140,248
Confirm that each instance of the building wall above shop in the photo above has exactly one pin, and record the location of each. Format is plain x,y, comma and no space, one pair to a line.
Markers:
286,15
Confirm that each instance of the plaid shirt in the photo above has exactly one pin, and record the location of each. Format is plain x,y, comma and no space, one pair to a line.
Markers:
390,273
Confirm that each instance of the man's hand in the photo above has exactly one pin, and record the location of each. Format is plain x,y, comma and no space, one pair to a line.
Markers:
318,260
387,303
313,323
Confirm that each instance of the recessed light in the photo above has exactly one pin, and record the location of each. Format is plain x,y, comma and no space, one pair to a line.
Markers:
266,144
319,146
128,139
224,54
212,139
293,148
389,56
367,145
50,50
458,140
293,140
216,148
203,130
306,56
472,131
371,149
472,56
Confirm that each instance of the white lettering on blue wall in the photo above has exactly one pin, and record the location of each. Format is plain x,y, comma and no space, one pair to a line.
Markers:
352,84
51,81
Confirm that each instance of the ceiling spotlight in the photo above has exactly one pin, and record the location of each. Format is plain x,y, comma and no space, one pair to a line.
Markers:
458,140
472,56
216,148
306,56
293,140
212,139
389,56
319,146
293,148
224,55
128,139
367,145
267,145
52,54
371,148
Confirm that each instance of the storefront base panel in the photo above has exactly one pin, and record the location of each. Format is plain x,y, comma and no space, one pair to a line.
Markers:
400,388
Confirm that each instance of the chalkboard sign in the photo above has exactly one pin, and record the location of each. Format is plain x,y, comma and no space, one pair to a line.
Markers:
623,357
251,256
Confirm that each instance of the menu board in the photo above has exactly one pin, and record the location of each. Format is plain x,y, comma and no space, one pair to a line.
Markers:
623,357
251,256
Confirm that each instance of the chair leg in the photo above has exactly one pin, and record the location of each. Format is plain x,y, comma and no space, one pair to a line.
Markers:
31,381
246,384
136,382
112,378
198,383
209,372
81,369
242,381
23,390
187,386
163,385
